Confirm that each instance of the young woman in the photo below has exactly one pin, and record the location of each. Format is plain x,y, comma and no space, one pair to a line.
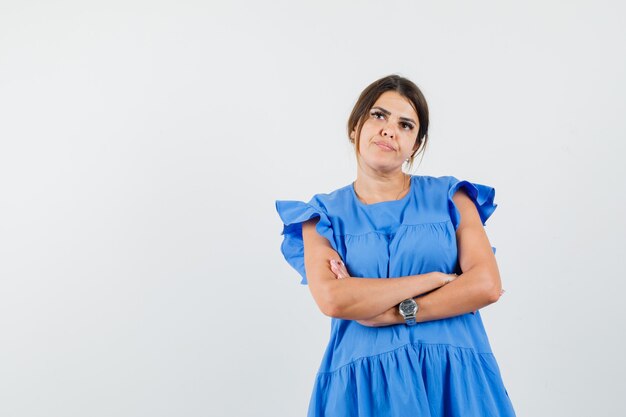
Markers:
402,264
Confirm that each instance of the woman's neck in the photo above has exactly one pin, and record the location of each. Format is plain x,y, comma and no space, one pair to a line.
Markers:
375,188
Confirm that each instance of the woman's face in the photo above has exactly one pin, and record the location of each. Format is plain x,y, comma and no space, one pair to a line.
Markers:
389,134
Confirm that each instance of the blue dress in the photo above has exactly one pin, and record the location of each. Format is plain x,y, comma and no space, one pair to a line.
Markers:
436,368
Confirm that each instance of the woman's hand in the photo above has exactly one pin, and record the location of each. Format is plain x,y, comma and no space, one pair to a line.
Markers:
447,278
339,269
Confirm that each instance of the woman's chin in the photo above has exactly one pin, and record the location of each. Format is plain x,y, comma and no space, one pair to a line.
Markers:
382,166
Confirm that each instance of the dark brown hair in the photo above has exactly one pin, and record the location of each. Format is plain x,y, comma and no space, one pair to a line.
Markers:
368,97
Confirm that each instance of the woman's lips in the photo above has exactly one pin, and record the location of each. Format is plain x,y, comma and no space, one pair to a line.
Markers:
384,147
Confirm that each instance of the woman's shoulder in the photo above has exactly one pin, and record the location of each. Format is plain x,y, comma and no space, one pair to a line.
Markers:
444,181
441,179
333,200
434,184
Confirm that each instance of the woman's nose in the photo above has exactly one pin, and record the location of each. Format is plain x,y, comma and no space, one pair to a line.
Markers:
389,130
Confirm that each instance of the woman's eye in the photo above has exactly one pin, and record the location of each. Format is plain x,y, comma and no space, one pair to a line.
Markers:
380,115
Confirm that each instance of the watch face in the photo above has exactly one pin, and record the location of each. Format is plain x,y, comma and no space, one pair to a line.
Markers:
408,307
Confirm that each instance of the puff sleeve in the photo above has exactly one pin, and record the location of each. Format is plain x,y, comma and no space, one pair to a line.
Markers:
293,214
482,196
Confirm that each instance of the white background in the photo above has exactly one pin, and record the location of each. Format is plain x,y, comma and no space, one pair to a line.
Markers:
143,145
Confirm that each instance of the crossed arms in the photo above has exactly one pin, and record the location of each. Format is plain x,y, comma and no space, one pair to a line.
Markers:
373,301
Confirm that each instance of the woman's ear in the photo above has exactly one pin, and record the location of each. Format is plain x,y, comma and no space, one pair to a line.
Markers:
352,136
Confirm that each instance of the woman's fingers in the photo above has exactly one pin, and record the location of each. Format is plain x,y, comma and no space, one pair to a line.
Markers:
449,278
333,267
342,269
338,268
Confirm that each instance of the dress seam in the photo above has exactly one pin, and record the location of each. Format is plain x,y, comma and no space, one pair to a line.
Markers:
388,234
401,347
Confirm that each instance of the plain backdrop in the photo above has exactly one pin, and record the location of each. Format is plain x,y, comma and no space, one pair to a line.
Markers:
144,143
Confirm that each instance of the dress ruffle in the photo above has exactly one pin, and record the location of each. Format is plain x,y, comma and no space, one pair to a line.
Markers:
418,379
482,196
293,214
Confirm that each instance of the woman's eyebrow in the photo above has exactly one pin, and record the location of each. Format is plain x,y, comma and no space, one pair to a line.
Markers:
387,112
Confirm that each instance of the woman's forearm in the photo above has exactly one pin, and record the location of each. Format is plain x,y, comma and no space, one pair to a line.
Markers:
466,294
363,298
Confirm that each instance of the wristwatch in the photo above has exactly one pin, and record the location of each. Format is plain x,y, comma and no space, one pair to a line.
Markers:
408,309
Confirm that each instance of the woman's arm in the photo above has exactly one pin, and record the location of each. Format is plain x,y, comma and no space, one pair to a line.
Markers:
356,298
478,286
459,297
